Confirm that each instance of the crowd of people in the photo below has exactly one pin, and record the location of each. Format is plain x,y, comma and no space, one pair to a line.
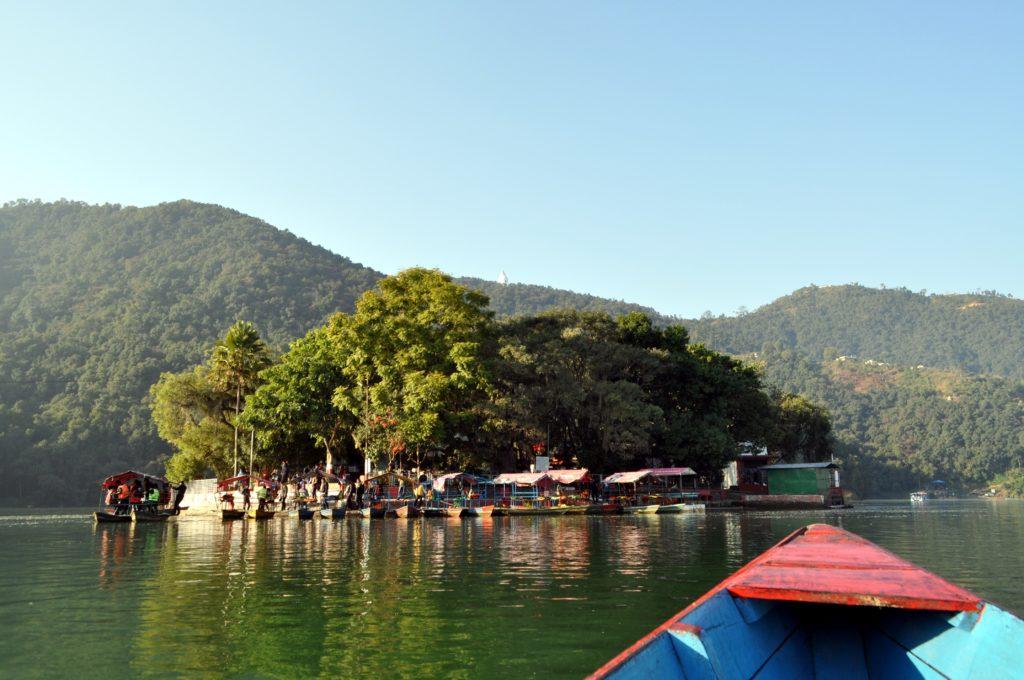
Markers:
311,486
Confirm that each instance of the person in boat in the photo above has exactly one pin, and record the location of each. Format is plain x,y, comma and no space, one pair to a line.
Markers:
285,470
284,493
360,492
246,497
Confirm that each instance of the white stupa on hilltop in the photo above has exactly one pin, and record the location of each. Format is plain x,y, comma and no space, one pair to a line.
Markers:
503,278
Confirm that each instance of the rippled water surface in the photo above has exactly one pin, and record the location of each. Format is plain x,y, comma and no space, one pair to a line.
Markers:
501,597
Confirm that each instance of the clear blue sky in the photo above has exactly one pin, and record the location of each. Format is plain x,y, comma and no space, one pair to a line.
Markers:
687,156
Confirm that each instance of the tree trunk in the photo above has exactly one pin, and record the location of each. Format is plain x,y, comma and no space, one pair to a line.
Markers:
238,403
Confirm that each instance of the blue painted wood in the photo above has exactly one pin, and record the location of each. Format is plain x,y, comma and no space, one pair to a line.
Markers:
728,637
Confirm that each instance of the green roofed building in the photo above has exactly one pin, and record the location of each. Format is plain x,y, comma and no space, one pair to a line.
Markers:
796,479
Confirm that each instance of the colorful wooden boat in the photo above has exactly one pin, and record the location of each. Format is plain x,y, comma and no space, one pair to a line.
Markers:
148,516
434,512
406,511
228,514
674,508
333,513
478,511
301,512
529,512
604,509
640,509
256,513
825,603
375,513
101,517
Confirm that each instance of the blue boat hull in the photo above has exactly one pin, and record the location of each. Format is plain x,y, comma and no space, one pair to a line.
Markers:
825,603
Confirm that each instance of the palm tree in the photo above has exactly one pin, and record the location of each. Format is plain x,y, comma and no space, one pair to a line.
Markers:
235,364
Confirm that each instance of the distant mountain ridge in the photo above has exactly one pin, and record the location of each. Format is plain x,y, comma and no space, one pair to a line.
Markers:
976,333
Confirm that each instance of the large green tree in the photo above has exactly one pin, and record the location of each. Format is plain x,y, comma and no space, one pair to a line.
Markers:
197,411
296,397
416,359
235,365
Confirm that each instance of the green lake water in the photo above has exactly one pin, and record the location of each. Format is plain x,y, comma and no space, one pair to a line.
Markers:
547,597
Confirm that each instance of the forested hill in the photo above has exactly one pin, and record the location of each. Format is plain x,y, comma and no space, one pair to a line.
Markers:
520,299
978,333
96,301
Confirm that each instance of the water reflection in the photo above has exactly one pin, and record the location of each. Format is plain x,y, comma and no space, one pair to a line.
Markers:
525,596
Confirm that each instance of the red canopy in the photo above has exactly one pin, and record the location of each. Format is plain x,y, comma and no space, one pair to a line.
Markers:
224,484
569,476
113,481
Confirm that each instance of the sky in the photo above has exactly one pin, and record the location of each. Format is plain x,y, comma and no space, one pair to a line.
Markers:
687,156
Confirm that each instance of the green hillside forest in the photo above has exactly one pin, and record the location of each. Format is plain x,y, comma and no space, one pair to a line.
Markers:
97,302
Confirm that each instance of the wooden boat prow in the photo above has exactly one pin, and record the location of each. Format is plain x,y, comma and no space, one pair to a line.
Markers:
827,603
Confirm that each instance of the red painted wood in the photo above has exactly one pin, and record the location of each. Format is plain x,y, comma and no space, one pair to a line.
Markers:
826,564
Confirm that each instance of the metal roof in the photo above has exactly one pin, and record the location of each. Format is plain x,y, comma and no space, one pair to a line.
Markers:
797,466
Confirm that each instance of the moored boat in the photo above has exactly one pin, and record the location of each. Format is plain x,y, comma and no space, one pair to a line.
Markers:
919,496
649,509
604,509
101,517
434,512
229,514
478,511
529,512
302,512
256,513
406,511
333,513
827,603
141,515
371,512
674,508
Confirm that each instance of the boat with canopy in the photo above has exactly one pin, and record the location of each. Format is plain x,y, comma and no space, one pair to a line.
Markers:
827,603
132,496
657,490
462,494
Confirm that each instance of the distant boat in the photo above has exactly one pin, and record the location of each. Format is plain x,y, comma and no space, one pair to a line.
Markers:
526,511
101,517
673,508
478,511
640,509
825,603
302,512
920,496
228,514
146,516
406,511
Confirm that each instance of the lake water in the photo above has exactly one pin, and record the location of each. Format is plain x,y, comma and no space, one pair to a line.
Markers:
502,597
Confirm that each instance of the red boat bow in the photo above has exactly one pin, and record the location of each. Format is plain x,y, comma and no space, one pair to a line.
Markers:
823,563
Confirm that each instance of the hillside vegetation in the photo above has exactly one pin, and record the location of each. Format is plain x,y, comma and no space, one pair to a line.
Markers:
978,333
97,301
898,427
520,299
